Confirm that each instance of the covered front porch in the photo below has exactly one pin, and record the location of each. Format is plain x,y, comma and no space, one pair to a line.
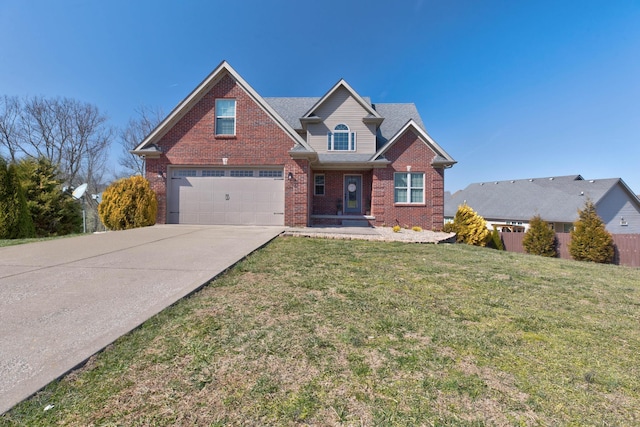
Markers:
341,198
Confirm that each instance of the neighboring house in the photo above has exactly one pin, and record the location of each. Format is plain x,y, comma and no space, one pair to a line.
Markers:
509,205
226,155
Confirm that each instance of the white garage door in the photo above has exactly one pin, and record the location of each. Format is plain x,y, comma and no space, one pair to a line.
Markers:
226,196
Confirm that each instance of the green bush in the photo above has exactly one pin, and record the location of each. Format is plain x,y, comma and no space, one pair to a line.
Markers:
540,239
590,241
495,241
15,220
470,228
54,212
128,203
449,227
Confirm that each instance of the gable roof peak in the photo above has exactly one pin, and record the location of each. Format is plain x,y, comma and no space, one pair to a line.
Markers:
342,83
223,69
442,158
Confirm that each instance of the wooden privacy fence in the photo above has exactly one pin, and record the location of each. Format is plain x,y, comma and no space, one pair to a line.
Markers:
627,246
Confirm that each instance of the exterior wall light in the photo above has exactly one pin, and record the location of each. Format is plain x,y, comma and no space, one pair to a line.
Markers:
290,176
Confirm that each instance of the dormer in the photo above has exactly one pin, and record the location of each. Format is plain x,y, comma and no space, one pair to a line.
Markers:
341,121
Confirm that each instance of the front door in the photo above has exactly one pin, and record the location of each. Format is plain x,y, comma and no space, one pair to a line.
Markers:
353,194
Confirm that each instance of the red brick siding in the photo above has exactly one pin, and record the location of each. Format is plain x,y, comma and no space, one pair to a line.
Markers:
409,150
296,195
259,141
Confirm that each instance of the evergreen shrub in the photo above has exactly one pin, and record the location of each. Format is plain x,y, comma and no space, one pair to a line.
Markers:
54,212
495,241
470,228
128,203
15,220
590,241
540,239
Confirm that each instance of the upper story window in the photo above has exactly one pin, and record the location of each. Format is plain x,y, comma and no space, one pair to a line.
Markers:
225,116
341,139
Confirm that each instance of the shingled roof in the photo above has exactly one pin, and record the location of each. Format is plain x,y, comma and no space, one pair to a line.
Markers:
555,199
395,115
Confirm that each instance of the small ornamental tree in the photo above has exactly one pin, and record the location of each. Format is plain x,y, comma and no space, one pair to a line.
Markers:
54,212
590,241
470,228
128,203
15,220
540,239
495,241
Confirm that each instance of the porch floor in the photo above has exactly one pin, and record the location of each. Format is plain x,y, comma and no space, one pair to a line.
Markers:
342,220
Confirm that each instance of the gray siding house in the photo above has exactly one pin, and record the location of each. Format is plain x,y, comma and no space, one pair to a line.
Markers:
509,205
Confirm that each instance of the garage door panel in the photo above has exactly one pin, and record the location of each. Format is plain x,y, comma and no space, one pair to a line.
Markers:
225,199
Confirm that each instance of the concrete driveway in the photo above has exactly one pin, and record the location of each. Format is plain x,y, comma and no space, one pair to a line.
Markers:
63,300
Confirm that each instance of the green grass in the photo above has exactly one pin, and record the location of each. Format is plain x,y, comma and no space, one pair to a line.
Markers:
13,242
329,332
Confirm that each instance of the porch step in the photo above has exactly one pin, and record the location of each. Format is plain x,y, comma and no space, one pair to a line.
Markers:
355,223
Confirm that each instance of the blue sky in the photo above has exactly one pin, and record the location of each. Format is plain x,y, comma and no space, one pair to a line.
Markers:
511,89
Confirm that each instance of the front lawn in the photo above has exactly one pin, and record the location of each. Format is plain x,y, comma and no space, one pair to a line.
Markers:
330,332
13,242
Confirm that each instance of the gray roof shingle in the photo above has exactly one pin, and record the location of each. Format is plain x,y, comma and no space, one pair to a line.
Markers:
291,109
343,158
395,115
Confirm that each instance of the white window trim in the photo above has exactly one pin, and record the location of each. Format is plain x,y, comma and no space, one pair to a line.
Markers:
235,120
350,135
408,188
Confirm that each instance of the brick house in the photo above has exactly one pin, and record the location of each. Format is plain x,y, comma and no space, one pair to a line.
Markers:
226,155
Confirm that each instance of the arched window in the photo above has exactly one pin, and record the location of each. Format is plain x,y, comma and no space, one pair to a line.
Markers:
341,139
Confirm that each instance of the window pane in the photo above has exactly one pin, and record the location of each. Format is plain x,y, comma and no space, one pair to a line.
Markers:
341,127
226,107
400,195
400,180
224,126
225,116
329,141
341,141
319,185
185,172
212,173
416,196
270,174
417,180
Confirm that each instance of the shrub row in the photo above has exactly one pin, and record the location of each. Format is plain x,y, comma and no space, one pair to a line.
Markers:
590,241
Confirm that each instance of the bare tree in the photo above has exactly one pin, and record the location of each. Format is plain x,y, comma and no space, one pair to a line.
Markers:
131,136
70,133
10,126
